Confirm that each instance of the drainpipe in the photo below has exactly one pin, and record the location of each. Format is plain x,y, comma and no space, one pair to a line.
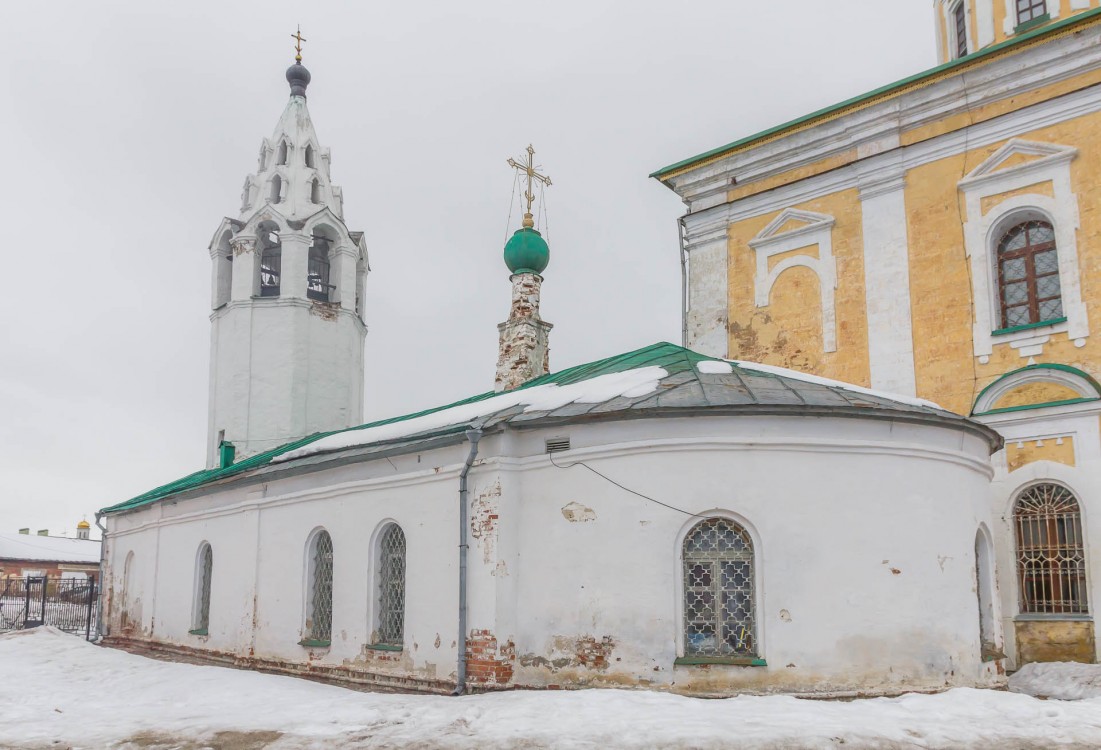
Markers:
101,616
681,231
473,435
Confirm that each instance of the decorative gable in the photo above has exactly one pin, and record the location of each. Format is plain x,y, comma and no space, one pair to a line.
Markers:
1019,156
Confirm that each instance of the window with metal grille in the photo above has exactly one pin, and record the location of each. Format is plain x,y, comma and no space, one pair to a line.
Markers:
1028,275
271,262
317,273
319,622
391,586
201,620
719,618
1051,557
1030,10
959,18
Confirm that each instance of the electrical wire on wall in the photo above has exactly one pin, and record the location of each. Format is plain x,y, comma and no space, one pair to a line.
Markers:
963,232
622,487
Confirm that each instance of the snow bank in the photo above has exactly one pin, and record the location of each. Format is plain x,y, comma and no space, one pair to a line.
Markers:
59,691
1063,680
632,384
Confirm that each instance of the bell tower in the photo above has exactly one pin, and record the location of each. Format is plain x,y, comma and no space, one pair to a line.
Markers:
287,329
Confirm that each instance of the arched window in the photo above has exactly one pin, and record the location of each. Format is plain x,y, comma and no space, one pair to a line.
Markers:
391,586
719,618
309,158
200,620
1051,558
276,189
283,148
315,191
1028,275
984,588
271,261
1030,10
319,615
959,23
317,278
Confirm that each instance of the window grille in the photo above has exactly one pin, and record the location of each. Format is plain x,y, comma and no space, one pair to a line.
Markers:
719,615
317,274
959,16
320,622
271,261
391,596
1051,558
1028,271
1030,10
206,569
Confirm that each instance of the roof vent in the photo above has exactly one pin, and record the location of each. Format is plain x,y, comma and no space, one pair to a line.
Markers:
557,444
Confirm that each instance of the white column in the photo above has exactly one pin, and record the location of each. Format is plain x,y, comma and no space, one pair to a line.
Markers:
887,284
295,256
708,285
246,269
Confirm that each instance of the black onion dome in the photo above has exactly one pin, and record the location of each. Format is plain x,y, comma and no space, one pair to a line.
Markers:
299,78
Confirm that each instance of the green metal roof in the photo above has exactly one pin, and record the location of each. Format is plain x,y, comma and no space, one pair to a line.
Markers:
684,389
961,62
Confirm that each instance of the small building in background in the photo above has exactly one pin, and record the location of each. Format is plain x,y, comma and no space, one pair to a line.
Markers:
24,555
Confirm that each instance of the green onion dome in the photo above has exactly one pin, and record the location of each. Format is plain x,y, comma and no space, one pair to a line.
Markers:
527,252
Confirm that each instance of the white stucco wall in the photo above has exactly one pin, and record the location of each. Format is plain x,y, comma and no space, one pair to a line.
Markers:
864,533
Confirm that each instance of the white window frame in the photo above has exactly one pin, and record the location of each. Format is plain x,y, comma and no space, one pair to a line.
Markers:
982,232
950,28
758,576
816,232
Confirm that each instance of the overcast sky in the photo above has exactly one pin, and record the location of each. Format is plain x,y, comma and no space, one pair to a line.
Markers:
129,129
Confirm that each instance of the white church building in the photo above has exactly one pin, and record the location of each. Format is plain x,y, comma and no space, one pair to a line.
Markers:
659,519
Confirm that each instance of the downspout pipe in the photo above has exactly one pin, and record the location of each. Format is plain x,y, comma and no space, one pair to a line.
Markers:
473,435
682,230
101,615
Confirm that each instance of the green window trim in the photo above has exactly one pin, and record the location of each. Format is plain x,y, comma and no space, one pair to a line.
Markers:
737,661
1037,21
198,631
312,643
384,647
1027,326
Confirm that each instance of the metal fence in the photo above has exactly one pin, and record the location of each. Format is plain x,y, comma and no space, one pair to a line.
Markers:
68,604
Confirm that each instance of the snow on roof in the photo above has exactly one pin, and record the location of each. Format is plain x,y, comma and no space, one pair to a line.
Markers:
629,384
716,367
48,548
659,379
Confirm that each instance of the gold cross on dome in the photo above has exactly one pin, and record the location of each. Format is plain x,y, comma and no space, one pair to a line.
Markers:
533,176
297,36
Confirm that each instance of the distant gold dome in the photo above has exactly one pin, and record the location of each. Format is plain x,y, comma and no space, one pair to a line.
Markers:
84,525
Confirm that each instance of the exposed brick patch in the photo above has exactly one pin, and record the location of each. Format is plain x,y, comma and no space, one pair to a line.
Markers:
487,661
523,352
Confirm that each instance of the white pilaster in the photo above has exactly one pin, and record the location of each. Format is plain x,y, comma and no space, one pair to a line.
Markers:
706,245
887,284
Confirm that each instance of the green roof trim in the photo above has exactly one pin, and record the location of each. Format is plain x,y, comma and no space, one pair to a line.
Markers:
1043,366
959,62
672,358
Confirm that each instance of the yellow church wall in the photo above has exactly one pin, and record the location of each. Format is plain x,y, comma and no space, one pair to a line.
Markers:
998,108
1020,453
1065,11
1036,393
921,133
947,370
794,175
778,258
788,331
1040,188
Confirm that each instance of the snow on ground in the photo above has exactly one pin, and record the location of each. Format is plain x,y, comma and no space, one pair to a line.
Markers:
1064,680
58,691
